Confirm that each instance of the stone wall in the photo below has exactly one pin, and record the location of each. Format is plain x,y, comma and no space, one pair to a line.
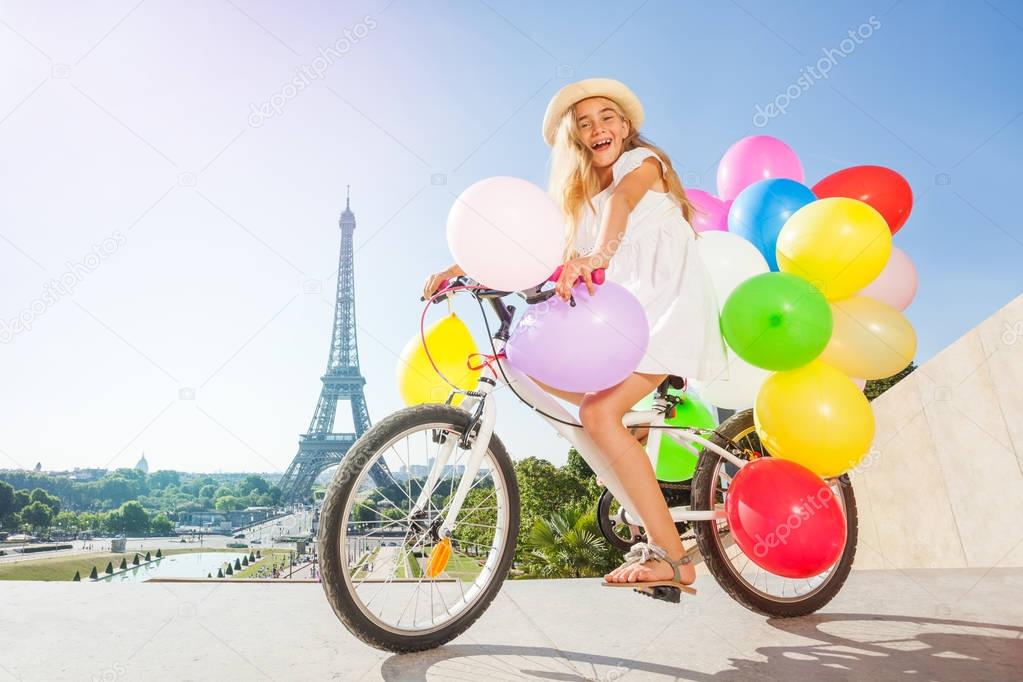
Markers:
943,485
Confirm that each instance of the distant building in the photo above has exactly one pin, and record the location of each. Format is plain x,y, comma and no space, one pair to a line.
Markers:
80,475
143,465
39,467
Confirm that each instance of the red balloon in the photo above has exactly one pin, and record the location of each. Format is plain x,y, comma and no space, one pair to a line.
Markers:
785,518
884,189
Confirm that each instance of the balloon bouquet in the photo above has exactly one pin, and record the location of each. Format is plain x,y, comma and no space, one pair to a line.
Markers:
812,291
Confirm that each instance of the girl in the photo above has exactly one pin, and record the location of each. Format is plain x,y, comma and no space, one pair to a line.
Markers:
626,211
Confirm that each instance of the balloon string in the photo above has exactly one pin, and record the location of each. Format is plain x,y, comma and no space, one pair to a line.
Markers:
488,360
422,327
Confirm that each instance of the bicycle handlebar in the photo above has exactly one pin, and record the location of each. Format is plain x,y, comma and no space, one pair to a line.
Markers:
596,276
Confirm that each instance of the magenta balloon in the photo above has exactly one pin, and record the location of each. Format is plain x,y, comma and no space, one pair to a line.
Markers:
711,213
896,285
589,347
755,158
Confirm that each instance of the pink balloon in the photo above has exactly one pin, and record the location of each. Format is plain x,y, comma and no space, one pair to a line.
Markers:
896,285
587,347
755,158
711,213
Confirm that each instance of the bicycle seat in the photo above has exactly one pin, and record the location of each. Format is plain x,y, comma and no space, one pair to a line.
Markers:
672,381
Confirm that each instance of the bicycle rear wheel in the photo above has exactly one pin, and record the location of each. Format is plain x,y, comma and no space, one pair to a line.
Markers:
374,551
756,588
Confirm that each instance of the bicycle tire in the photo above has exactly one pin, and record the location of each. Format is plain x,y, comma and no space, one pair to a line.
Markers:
719,564
339,592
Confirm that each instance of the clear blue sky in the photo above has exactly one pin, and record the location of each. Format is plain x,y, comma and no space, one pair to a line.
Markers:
133,123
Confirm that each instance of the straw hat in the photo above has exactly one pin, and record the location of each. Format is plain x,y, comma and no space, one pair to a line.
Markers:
591,87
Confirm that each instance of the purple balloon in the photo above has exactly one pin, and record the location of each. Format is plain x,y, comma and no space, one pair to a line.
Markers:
589,347
711,213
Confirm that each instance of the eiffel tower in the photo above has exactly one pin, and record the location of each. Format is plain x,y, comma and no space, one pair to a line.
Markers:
320,447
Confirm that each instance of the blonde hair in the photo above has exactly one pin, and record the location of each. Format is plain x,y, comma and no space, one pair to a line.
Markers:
573,182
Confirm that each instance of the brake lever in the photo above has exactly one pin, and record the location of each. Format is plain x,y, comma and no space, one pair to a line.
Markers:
444,284
596,276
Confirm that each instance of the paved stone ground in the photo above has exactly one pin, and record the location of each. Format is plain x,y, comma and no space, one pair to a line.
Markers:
885,625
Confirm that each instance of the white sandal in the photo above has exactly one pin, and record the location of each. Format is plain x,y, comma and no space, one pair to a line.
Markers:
669,590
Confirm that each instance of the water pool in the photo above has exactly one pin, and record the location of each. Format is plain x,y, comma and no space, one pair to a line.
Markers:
191,565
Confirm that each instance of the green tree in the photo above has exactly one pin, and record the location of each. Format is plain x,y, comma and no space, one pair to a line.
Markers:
199,483
545,490
567,545
37,515
394,513
275,495
117,489
161,525
113,521
208,491
876,387
253,483
21,500
6,499
229,503
51,501
164,479
67,521
577,466
90,520
135,519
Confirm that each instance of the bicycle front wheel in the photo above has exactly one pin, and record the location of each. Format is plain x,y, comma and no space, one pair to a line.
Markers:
375,546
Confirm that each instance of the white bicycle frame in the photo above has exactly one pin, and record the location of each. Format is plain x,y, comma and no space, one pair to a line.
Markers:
572,432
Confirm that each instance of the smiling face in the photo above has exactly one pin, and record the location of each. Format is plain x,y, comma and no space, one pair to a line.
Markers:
601,129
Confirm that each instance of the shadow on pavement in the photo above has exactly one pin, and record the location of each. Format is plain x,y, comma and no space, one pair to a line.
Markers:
848,646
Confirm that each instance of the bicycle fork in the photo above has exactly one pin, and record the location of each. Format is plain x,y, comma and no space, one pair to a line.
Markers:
483,415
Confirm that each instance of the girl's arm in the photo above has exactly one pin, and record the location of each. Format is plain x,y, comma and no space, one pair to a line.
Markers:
632,188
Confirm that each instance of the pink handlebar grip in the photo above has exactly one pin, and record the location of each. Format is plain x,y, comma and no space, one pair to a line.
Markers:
597,276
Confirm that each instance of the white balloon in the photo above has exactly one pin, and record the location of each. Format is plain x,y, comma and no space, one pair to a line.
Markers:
736,388
506,233
730,260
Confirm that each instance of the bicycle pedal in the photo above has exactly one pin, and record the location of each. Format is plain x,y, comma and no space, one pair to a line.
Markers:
672,595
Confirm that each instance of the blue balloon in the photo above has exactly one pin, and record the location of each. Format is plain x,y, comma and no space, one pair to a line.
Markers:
760,211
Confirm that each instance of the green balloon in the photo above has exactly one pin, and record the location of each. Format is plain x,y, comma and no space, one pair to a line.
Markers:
776,321
677,462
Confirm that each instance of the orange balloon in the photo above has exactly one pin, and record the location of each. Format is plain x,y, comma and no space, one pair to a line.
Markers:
869,339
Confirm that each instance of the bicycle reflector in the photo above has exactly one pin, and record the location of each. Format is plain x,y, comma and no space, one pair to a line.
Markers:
439,556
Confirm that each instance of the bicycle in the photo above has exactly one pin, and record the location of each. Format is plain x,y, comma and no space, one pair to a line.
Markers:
452,501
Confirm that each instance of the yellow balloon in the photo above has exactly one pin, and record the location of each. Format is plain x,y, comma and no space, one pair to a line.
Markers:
869,339
814,416
840,245
450,345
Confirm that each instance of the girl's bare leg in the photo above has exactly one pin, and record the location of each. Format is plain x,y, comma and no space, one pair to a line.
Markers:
605,475
601,414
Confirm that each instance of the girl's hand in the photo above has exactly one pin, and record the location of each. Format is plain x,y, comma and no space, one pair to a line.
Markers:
433,282
572,270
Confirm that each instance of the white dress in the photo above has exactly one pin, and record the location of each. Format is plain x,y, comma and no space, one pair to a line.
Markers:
658,261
